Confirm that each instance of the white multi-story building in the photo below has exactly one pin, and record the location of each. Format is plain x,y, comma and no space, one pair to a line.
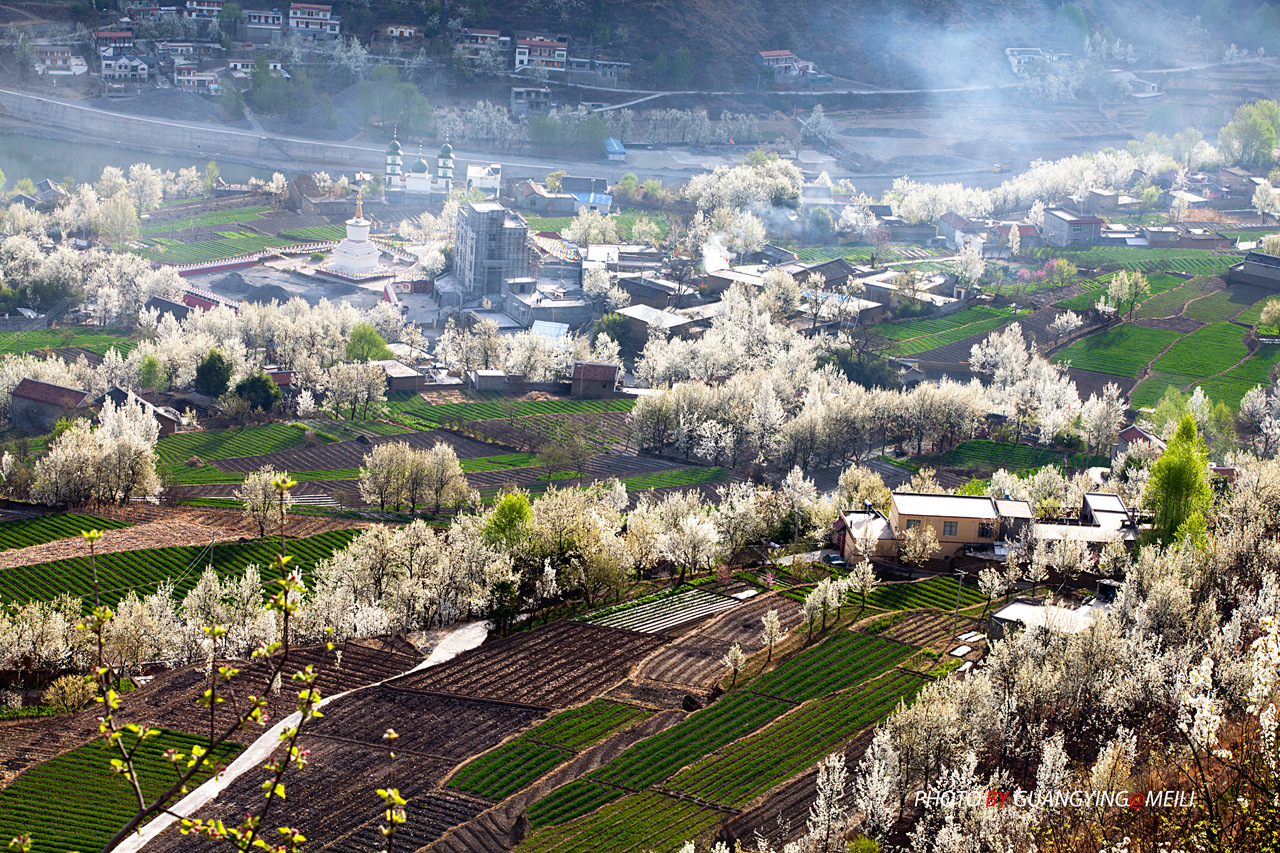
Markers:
314,19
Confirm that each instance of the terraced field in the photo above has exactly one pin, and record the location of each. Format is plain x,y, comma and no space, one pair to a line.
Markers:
842,661
318,234
648,821
656,758
667,612
1122,350
983,454
1204,352
78,802
519,762
936,592
742,771
415,412
1198,261
232,244
927,333
214,217
230,443
143,571
95,340
24,532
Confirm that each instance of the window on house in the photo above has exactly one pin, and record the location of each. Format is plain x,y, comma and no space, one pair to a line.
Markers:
986,530
1076,229
913,523
948,528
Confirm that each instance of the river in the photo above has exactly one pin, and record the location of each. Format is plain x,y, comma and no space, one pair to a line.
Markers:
28,157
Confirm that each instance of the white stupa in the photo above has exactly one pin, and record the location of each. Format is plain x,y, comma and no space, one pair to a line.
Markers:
356,257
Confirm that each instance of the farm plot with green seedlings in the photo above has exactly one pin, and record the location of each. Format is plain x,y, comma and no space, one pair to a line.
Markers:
517,763
846,659
415,412
214,217
667,612
742,771
94,340
230,443
1221,306
232,244
1169,302
981,453
25,532
1206,351
1122,350
1197,261
676,477
143,571
78,802
935,592
916,336
320,234
655,759
1231,386
643,822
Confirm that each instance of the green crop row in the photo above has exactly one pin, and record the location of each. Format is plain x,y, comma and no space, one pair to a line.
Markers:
519,762
843,661
983,453
216,217
1200,261
144,570
648,821
78,802
935,592
231,245
93,339
321,234
655,759
230,443
413,411
746,769
24,532
1122,350
1208,350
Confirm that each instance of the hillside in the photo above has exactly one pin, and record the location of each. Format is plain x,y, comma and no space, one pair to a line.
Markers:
916,43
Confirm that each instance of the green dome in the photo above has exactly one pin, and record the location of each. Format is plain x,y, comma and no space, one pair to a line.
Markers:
394,147
446,150
419,165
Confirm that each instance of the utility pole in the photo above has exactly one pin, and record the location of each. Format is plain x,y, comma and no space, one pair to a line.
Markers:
955,616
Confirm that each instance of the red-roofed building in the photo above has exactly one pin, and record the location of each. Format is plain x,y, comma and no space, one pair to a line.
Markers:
1028,235
1132,435
591,379
36,406
541,52
109,40
313,19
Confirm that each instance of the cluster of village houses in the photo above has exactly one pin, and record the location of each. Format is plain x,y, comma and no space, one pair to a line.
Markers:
122,58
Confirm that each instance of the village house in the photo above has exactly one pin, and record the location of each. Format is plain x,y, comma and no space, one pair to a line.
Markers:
188,76
36,406
168,418
110,42
592,380
551,54
528,100
204,9
1066,228
263,25
958,229
979,526
52,58
135,69
1028,235
1132,435
314,20
1256,269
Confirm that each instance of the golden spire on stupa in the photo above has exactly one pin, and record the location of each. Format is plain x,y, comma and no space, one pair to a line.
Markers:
360,203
